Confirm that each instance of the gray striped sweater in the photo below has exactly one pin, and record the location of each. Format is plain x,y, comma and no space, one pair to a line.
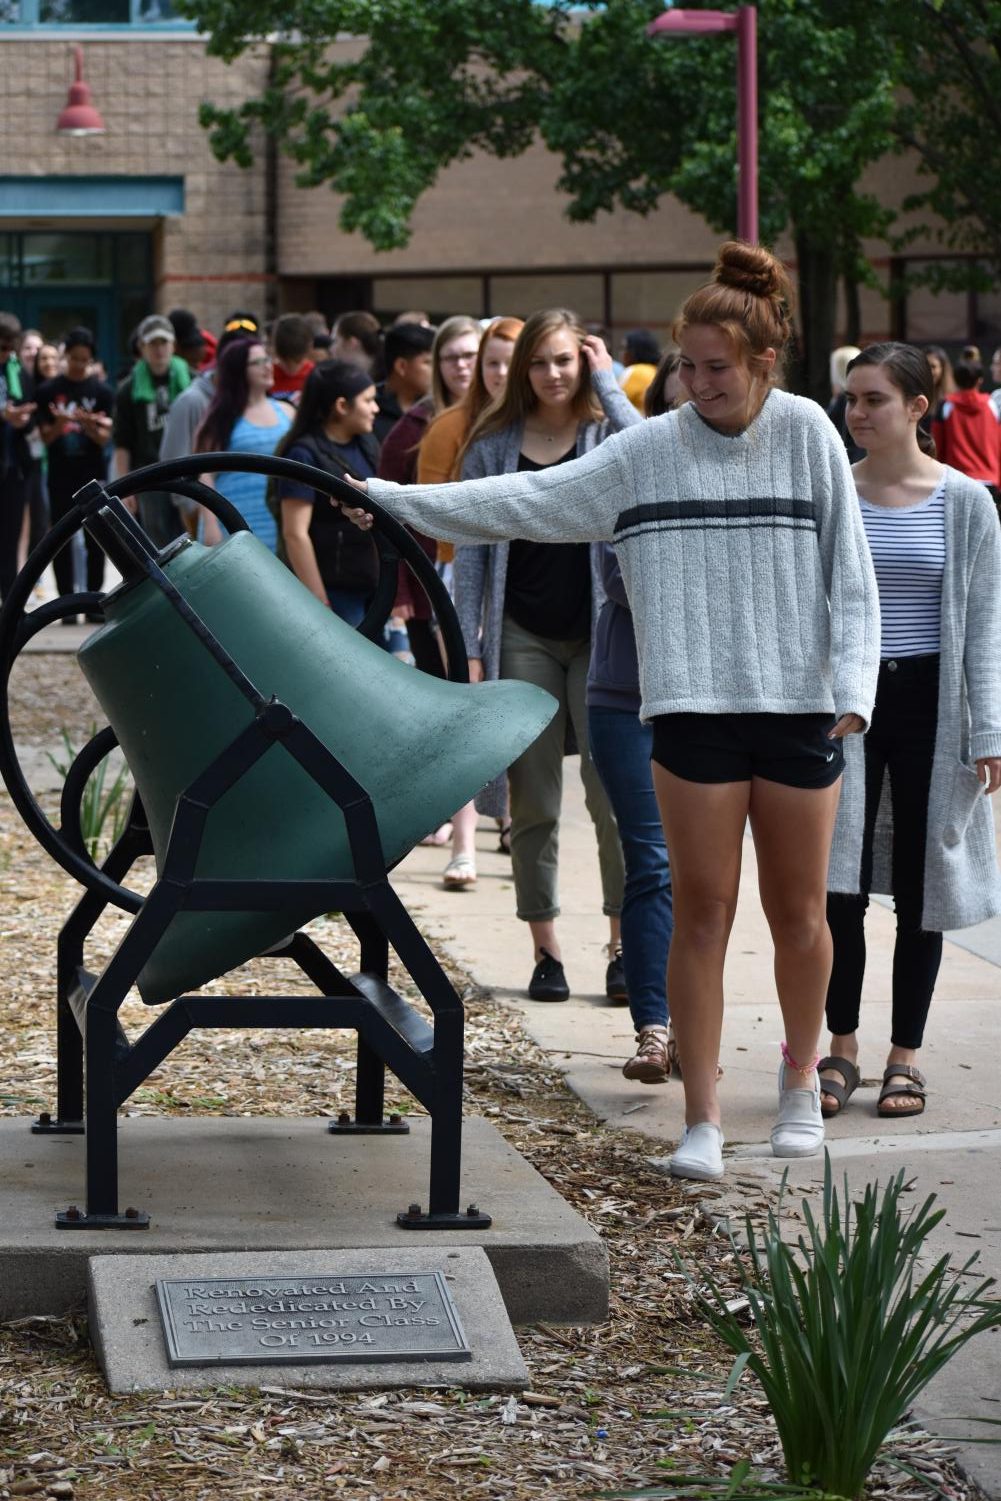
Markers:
744,557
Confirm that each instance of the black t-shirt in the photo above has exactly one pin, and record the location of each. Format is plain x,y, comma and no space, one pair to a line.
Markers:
74,457
139,424
548,586
346,557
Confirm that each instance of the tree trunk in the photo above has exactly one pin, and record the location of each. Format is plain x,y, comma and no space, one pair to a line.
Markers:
853,311
817,291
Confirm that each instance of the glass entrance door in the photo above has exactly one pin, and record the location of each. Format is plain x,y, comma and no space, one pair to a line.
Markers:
58,278
54,313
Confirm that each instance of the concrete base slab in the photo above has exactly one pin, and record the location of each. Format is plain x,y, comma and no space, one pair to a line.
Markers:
222,1184
128,1336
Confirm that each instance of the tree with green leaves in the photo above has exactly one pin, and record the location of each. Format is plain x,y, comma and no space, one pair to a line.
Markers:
950,117
632,119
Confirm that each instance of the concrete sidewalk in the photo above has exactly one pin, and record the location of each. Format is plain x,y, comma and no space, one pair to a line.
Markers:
952,1150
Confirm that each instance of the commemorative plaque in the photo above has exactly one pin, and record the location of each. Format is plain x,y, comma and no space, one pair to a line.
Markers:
264,1320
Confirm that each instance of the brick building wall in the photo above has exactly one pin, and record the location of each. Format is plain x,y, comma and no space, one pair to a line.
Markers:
148,90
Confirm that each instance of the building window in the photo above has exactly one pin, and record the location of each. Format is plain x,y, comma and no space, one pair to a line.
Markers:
952,316
56,279
99,13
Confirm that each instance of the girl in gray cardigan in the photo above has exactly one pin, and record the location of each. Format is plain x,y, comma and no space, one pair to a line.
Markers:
757,629
914,819
527,611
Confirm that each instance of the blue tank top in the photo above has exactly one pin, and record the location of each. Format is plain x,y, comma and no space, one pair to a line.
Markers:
248,492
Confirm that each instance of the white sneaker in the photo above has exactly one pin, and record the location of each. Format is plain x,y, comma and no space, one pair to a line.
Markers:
699,1154
799,1129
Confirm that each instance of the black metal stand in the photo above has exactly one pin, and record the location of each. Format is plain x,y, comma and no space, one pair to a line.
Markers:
92,1045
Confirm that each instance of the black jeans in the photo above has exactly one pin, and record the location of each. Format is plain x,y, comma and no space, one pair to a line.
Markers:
900,742
13,497
61,492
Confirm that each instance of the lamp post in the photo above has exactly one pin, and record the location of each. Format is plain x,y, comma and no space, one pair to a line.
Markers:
744,23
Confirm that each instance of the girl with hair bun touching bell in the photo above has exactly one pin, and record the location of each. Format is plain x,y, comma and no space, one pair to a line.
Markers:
757,628
914,819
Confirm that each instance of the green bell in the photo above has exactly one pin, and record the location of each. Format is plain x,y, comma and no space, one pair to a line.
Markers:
420,746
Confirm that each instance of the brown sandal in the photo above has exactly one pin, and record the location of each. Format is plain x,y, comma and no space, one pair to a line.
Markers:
839,1093
915,1090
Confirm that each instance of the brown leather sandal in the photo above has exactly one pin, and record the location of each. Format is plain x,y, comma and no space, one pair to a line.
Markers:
915,1089
840,1093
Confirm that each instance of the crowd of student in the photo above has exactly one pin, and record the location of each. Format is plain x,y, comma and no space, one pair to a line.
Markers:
783,603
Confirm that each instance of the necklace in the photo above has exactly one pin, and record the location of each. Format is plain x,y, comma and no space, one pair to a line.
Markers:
542,432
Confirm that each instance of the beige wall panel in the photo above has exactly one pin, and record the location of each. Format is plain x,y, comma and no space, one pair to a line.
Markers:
652,299
439,296
517,296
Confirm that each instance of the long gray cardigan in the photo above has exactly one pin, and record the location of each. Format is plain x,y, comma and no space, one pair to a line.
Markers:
480,569
962,881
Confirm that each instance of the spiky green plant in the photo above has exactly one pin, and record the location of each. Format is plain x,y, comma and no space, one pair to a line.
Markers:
102,800
847,1326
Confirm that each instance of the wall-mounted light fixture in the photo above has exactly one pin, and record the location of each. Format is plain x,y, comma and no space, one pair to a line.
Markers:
79,117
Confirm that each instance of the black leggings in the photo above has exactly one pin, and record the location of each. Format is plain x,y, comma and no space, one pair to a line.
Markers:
900,742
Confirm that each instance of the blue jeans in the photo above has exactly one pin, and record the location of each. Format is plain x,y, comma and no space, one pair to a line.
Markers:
349,604
620,748
352,607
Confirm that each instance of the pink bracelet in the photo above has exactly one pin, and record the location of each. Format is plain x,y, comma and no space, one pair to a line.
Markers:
801,1068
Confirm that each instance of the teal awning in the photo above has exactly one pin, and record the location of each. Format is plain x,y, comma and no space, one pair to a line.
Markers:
90,197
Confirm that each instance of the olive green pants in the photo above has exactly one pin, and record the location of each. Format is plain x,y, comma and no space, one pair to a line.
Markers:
536,778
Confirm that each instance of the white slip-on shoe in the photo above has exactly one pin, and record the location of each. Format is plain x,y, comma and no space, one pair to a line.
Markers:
799,1129
699,1154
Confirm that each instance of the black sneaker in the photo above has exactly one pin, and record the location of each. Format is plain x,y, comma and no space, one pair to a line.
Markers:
615,980
548,982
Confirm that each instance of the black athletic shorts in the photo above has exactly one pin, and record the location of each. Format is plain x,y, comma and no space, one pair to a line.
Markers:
789,748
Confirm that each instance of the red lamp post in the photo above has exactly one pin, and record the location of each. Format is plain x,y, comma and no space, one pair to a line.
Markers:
744,23
79,116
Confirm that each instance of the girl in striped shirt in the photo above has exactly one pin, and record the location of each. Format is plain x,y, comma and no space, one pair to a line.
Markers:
935,734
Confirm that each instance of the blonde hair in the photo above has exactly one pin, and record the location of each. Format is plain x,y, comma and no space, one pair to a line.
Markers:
841,358
452,328
518,400
750,299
